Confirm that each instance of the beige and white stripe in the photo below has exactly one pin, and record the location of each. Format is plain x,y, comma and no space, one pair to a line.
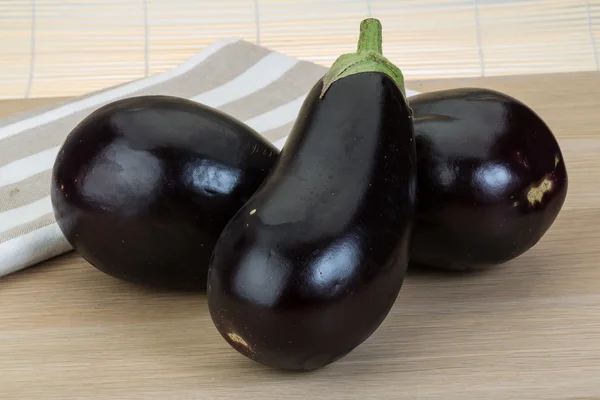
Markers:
73,47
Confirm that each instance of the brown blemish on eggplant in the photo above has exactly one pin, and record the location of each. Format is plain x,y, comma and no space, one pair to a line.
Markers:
237,339
536,193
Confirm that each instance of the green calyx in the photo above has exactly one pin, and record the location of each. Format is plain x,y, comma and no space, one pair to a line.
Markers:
368,58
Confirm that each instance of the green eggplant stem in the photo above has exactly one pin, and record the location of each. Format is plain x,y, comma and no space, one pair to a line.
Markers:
370,38
368,58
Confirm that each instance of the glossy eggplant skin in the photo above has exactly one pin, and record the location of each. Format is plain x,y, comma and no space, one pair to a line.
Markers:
143,187
311,265
491,178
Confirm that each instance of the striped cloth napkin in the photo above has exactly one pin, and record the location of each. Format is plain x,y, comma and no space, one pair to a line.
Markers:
265,89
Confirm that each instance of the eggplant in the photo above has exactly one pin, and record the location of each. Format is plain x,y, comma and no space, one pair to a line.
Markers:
142,187
491,179
311,265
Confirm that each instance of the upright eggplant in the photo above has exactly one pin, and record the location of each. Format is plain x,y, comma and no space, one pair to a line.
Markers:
312,263
491,178
143,187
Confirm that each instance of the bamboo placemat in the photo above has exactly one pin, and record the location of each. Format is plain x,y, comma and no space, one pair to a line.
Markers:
72,47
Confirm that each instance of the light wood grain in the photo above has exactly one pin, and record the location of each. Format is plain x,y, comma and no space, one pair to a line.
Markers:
529,329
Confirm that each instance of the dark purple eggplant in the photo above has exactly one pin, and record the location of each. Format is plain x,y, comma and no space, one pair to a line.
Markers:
312,263
143,187
491,178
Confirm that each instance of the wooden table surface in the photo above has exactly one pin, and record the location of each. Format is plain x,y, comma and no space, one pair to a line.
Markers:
529,329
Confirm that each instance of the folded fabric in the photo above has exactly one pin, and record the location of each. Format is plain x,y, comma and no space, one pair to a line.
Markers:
262,88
